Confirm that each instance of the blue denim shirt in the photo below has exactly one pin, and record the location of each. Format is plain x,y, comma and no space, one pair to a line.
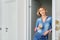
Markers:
45,25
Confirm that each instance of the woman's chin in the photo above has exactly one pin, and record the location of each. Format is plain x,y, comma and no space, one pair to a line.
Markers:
43,15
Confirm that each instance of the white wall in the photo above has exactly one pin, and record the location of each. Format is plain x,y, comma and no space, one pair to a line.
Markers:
57,8
0,21
20,19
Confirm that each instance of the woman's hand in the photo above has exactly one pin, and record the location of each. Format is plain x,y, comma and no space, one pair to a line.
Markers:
45,33
35,29
39,27
50,30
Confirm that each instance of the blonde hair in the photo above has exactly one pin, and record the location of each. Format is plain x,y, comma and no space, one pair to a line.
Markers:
38,13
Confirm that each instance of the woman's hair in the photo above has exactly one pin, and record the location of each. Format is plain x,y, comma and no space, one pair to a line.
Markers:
38,13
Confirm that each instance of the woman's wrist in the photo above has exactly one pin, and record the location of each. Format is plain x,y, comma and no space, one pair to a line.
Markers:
45,33
50,30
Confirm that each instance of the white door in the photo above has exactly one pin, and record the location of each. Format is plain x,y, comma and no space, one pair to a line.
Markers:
9,20
0,22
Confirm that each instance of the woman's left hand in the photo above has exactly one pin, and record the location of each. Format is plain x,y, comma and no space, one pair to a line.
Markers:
45,33
50,30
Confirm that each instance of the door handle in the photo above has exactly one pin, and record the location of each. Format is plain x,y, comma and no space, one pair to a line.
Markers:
6,29
0,28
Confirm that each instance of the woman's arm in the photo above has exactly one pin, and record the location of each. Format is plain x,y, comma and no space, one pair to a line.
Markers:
36,28
37,22
45,33
50,28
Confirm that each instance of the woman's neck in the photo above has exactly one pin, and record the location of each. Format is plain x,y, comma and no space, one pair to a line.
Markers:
44,16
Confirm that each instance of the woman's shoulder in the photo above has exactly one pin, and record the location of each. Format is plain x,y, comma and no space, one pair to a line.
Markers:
38,19
49,18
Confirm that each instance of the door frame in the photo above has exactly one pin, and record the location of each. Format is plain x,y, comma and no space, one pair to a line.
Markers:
27,19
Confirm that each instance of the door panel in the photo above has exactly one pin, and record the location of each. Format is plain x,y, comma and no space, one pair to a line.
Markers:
9,20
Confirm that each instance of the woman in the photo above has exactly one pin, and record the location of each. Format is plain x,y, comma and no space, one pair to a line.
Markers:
43,25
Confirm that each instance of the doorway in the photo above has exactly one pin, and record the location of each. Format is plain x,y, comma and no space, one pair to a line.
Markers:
32,16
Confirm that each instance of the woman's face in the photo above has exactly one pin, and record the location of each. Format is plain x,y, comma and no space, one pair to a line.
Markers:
42,11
